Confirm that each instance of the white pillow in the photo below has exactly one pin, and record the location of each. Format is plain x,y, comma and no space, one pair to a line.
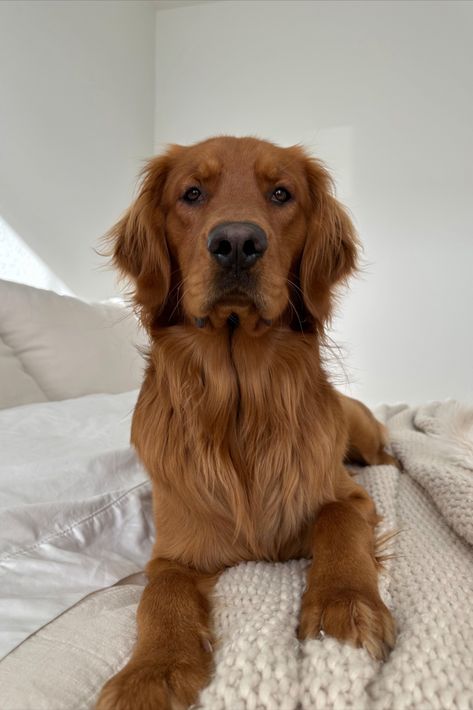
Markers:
16,386
58,347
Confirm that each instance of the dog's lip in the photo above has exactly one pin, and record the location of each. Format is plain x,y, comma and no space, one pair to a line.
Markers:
236,297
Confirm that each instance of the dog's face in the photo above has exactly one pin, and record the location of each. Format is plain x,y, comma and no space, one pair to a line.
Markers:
235,231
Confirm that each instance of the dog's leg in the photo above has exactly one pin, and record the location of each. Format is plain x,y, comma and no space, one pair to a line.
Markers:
172,659
342,597
367,437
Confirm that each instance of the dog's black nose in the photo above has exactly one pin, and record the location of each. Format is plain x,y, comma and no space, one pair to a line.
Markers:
237,244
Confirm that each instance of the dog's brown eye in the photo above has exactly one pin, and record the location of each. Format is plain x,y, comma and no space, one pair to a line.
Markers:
280,194
192,194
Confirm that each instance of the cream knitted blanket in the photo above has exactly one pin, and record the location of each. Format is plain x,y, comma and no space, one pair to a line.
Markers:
259,663
428,586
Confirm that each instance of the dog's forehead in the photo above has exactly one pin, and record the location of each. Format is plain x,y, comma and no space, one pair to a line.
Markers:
232,155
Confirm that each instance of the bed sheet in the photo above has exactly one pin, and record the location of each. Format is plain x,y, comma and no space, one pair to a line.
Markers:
75,509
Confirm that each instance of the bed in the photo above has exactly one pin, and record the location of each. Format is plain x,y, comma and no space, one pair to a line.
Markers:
75,515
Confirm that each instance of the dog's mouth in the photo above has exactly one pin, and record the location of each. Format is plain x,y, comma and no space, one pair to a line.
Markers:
235,309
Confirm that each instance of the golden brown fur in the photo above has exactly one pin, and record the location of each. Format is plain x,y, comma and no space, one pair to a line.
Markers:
241,432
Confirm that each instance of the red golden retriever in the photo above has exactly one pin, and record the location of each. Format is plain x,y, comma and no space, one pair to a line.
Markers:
235,247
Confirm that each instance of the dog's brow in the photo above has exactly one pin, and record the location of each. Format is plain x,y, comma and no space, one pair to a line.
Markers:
270,170
207,168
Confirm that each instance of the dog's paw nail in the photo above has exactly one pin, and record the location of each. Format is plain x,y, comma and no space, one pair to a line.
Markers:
207,645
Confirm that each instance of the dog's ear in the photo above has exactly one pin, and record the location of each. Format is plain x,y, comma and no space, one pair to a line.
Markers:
331,248
138,241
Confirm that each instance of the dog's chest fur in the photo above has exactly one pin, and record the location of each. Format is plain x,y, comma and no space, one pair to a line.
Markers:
239,441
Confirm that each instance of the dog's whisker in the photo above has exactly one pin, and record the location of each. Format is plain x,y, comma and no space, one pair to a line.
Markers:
295,286
296,314
178,303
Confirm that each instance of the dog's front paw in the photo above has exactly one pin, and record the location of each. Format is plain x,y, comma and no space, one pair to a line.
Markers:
144,686
353,617
136,687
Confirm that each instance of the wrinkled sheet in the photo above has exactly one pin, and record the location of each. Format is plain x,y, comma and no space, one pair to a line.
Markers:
259,663
75,510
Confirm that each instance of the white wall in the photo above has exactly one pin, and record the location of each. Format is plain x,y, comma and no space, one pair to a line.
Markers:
383,92
76,121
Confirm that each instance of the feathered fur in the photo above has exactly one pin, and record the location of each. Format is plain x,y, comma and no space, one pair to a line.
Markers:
237,423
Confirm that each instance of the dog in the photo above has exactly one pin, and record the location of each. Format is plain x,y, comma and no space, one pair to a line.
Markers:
235,248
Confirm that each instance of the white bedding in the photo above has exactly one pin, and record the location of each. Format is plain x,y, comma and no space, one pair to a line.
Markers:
75,509
79,456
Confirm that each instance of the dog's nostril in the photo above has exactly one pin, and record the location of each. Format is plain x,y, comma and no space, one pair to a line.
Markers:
224,248
249,248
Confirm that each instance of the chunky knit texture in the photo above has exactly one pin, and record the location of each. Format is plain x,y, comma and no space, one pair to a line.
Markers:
428,586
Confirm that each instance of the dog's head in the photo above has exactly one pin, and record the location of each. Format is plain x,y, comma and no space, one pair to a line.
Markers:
235,230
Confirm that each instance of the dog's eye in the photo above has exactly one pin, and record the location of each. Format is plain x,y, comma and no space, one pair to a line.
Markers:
193,194
280,195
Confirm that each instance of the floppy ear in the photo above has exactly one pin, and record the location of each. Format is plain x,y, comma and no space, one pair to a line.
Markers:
138,241
331,249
